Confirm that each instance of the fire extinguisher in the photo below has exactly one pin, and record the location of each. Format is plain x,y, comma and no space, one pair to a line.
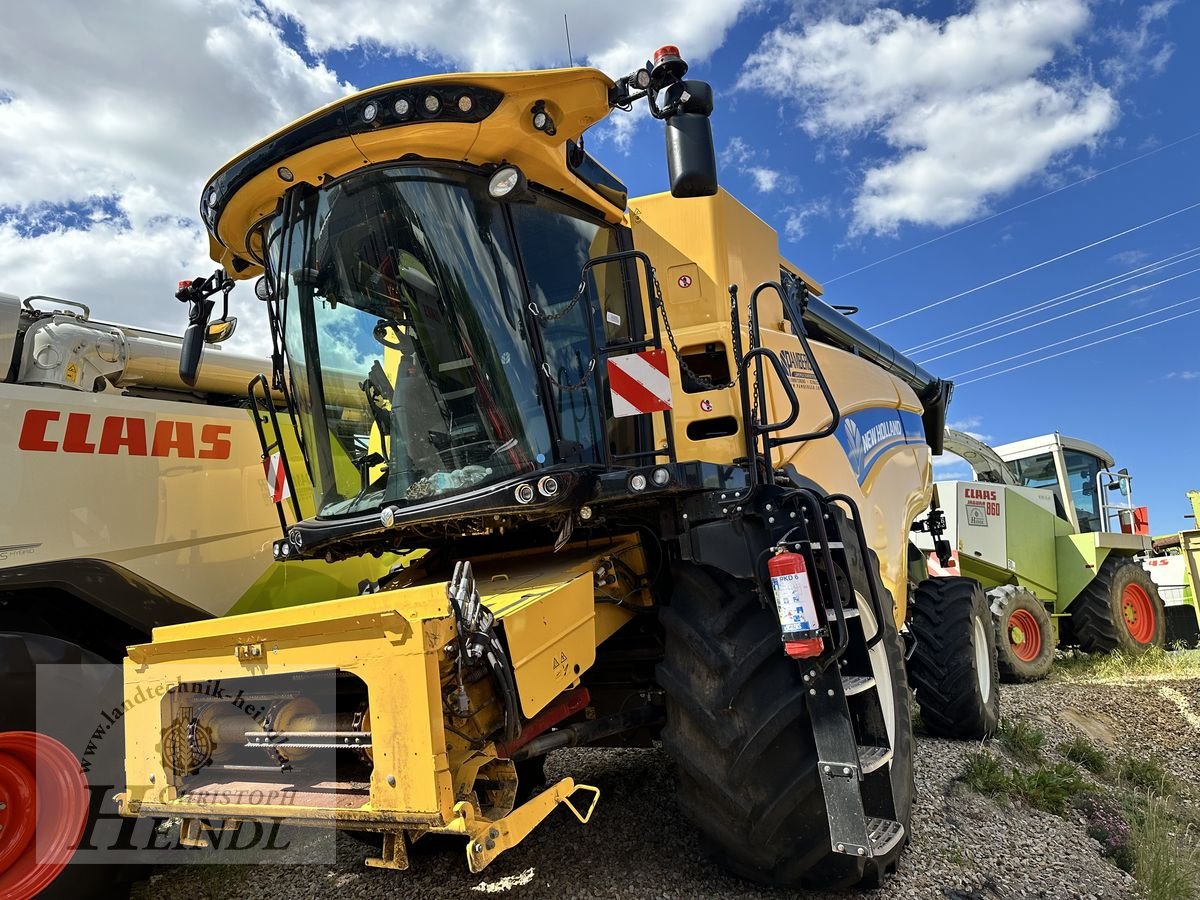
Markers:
797,608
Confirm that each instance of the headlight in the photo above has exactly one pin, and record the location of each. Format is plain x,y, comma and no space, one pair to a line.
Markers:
506,181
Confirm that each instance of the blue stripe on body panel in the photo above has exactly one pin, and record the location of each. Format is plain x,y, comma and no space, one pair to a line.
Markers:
868,434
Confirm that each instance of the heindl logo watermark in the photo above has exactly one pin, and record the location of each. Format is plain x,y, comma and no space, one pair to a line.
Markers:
209,747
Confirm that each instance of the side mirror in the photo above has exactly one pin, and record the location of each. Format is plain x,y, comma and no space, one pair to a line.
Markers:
691,155
220,330
197,294
193,341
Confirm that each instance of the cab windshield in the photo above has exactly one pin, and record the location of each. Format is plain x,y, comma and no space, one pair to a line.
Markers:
414,370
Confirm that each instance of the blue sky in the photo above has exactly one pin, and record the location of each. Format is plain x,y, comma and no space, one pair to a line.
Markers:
859,130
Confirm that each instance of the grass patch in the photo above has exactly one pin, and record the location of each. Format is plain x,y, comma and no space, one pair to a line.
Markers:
1104,666
1021,739
1146,774
1049,788
1166,858
985,774
1084,753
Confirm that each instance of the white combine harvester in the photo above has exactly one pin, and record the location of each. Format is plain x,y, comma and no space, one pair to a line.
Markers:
130,500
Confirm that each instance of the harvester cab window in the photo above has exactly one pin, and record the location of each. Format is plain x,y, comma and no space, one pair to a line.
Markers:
405,310
555,244
1083,471
1040,472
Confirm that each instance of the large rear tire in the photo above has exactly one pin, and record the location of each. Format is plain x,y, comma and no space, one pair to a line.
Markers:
738,727
953,668
1120,609
1024,634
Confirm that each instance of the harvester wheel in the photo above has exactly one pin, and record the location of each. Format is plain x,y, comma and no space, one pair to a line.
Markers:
953,667
44,801
64,793
1119,610
738,729
1024,634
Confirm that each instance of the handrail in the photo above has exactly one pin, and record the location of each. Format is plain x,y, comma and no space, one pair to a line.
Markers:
604,352
257,407
793,401
834,412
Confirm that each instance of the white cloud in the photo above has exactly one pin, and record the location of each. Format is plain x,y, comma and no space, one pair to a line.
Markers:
750,161
125,114
970,426
966,103
1130,258
765,179
499,35
737,152
949,467
1185,375
795,226
1140,48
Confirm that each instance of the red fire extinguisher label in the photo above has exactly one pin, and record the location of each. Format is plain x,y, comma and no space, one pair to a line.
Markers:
797,609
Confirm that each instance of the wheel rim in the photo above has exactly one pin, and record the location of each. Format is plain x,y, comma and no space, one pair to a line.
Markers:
45,806
879,668
983,662
1138,613
1024,635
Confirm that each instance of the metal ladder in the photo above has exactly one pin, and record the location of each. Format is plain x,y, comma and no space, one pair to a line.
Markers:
861,823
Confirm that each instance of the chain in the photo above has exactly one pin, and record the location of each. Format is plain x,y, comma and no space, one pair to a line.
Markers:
545,318
554,317
576,386
703,380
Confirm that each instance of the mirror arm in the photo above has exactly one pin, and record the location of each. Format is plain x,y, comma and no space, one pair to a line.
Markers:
198,293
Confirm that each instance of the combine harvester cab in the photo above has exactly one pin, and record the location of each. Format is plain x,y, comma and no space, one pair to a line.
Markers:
650,505
1050,529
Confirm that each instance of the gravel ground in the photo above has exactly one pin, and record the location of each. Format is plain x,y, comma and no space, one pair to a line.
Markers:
964,846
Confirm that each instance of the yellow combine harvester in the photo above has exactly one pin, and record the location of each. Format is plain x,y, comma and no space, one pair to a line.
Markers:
651,505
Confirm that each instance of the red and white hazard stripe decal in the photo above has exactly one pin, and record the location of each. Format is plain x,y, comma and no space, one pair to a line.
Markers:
276,478
937,570
638,383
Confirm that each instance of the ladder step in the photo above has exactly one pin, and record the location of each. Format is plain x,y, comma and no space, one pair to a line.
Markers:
871,758
856,684
847,612
883,835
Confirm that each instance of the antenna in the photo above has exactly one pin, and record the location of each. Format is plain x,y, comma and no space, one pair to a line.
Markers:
567,29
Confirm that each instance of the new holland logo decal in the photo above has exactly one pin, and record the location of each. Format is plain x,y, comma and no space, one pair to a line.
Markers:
868,435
